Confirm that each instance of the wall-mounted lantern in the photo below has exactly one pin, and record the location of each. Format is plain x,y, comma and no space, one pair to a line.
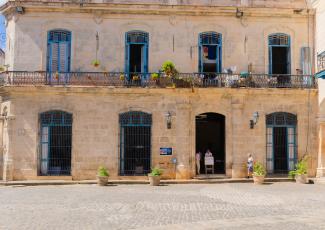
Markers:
239,13
168,116
20,10
254,120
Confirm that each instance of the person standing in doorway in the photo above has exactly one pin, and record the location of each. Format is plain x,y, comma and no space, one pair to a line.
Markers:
250,164
198,162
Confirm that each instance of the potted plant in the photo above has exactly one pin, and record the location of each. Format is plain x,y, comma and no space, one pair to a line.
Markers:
169,69
135,78
154,176
96,63
155,76
300,171
122,77
102,176
259,173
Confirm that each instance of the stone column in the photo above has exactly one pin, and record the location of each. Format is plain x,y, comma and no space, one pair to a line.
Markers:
321,152
183,141
238,130
7,154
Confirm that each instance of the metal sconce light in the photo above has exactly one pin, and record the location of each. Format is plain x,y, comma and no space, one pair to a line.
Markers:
254,120
168,120
20,10
239,13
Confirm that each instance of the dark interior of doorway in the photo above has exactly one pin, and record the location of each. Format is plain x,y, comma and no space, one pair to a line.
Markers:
137,150
280,60
210,134
280,149
60,150
135,58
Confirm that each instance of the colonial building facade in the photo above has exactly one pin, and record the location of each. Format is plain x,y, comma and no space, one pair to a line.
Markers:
84,87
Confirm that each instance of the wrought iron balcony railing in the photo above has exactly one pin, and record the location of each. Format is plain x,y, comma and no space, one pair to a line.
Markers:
182,80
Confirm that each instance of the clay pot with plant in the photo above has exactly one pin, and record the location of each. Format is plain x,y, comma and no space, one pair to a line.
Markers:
300,171
259,173
154,176
102,176
96,63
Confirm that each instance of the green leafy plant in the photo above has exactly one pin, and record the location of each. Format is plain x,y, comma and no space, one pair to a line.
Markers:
96,63
168,67
259,169
156,172
122,77
300,168
102,171
154,76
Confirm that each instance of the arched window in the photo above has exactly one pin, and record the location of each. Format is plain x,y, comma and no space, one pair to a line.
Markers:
281,152
210,52
279,54
58,51
136,52
135,143
56,140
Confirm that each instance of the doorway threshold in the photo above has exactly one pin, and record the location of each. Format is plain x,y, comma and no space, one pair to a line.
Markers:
211,176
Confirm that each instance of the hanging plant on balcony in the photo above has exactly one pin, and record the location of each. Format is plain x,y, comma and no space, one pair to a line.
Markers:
95,63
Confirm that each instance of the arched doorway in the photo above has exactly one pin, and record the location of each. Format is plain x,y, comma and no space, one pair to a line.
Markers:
135,143
56,140
281,150
210,134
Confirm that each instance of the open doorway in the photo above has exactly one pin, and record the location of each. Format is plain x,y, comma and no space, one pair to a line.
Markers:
210,135
280,60
136,58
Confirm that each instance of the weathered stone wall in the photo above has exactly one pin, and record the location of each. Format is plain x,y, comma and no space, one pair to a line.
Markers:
171,38
95,138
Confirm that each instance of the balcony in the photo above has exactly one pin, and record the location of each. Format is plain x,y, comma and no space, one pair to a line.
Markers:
148,80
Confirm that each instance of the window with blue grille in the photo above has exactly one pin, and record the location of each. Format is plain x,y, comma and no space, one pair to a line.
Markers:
58,51
55,143
136,52
281,142
210,52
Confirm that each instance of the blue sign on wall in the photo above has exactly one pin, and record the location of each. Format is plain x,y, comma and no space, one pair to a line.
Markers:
166,151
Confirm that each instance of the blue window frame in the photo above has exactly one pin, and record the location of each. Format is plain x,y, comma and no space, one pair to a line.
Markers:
279,54
135,143
210,52
136,52
58,51
55,143
281,142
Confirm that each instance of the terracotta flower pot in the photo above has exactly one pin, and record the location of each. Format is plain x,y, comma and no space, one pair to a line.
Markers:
258,179
102,180
154,180
301,179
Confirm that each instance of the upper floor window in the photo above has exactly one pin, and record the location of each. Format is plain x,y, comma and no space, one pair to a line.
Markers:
279,54
136,52
321,61
58,51
210,52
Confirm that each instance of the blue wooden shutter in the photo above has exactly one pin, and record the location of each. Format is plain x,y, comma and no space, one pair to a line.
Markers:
269,150
292,155
59,51
144,68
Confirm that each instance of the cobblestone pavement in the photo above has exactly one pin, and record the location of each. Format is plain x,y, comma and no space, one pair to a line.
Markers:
211,206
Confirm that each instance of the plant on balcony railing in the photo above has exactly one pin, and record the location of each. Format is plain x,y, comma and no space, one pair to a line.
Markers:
169,69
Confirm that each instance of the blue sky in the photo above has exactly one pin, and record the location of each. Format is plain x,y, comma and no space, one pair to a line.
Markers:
2,29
